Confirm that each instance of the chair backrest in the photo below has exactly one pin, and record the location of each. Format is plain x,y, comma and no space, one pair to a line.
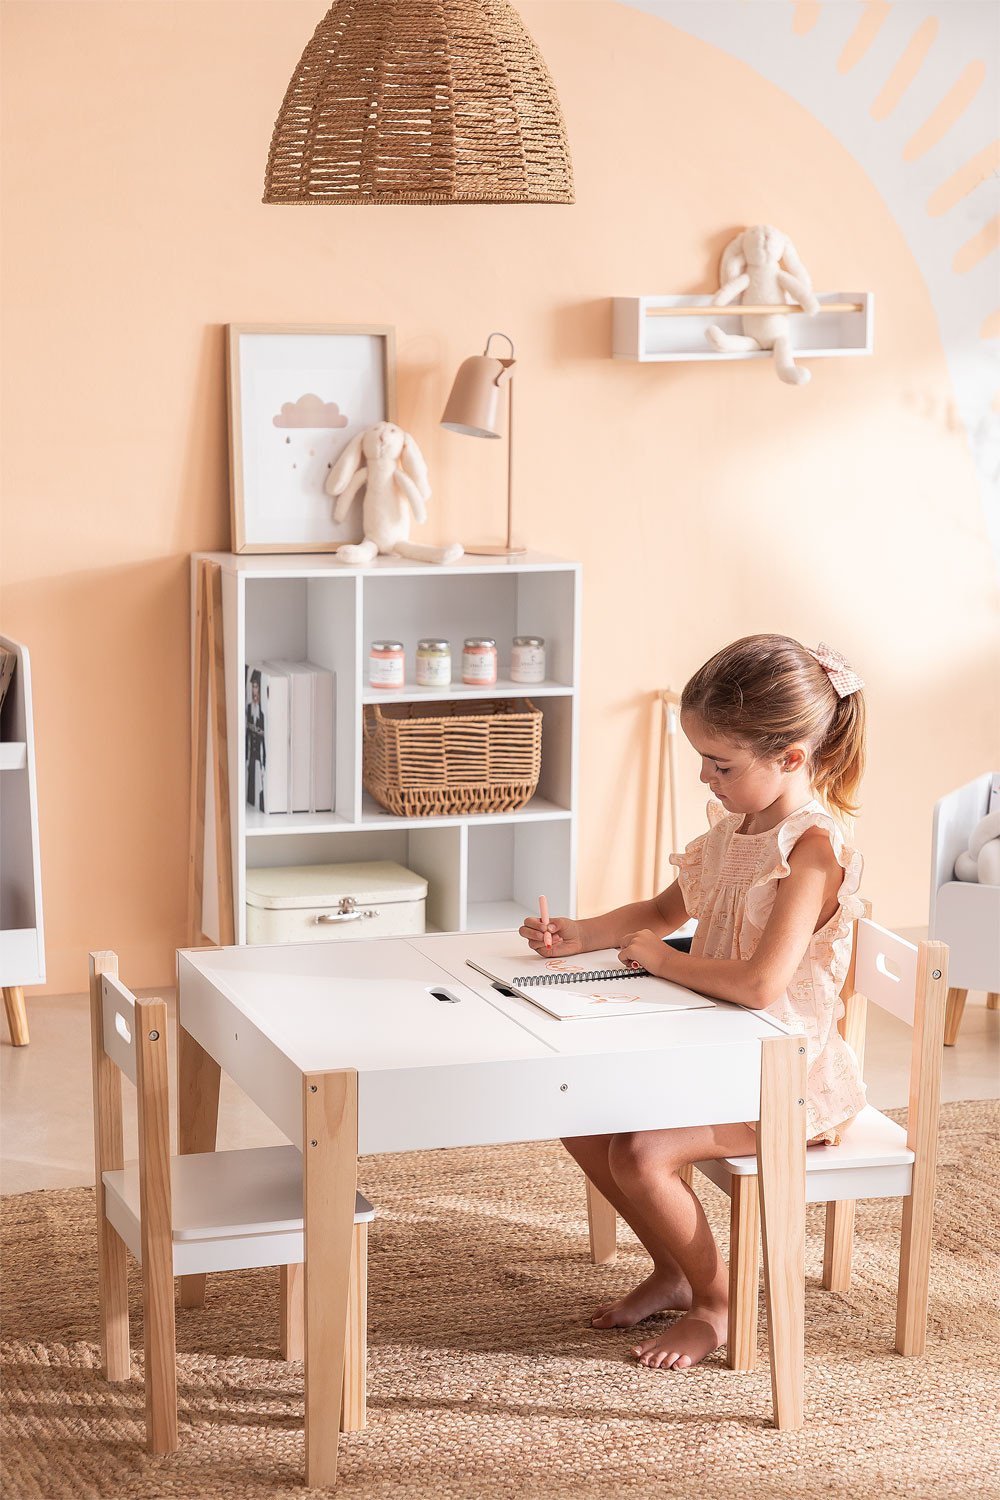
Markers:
129,1036
955,816
910,982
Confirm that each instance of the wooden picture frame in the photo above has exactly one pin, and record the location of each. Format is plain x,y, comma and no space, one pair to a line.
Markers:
297,395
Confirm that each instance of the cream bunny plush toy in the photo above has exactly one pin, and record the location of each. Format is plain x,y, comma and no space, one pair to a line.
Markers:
751,265
395,479
981,861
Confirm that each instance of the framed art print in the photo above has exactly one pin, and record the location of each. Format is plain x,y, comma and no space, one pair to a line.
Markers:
297,396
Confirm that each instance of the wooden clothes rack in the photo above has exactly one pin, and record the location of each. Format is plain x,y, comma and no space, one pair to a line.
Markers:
209,710
670,703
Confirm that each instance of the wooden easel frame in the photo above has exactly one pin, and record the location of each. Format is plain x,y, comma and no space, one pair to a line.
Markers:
209,709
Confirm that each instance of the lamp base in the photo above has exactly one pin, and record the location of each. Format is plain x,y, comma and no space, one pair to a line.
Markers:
489,549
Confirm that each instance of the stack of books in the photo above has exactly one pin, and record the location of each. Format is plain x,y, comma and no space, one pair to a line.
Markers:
289,737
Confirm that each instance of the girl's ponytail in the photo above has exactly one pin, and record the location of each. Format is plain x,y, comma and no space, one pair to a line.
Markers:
839,760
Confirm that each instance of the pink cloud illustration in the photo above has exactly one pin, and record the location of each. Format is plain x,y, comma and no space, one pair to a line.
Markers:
310,411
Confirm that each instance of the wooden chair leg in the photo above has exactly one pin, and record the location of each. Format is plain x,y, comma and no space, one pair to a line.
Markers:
17,1016
838,1246
993,1000
353,1406
953,1015
686,1174
293,1307
158,1328
602,1221
109,1156
922,1139
744,1271
198,1082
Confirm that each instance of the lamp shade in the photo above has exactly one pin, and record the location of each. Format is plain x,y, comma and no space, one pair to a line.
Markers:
420,101
472,406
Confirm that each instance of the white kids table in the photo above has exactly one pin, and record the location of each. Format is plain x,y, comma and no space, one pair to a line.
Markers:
397,1045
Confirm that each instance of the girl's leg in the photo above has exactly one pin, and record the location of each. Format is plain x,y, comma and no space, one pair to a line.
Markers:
646,1167
666,1286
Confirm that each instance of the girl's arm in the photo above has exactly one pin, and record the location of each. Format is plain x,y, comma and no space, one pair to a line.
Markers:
661,916
805,899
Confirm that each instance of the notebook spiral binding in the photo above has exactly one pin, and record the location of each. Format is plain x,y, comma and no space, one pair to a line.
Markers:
589,976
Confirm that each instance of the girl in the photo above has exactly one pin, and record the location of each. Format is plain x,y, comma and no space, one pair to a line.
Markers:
780,730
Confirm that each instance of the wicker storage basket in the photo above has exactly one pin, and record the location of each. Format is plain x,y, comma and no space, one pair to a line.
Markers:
423,758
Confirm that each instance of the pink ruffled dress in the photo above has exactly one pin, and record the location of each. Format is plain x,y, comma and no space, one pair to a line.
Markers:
729,881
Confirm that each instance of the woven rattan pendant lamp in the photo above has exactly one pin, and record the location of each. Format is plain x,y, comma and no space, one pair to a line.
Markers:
420,101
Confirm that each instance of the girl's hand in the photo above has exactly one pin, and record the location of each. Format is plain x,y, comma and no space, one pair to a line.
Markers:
566,936
643,948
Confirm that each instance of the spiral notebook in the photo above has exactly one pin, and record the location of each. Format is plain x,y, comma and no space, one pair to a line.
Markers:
587,986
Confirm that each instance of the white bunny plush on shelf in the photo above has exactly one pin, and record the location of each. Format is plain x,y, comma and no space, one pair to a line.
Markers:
751,265
981,861
395,479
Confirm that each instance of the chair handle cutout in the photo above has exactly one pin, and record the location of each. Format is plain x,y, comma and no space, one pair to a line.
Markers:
122,1028
886,966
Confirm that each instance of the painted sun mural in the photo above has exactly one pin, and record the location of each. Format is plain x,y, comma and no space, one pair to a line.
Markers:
910,90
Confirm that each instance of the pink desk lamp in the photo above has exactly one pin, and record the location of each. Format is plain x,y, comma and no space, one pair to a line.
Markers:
472,410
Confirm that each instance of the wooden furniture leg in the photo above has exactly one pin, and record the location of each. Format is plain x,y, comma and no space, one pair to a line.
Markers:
921,1137
198,1080
953,1019
602,1221
199,759
354,1408
993,1000
838,1246
160,1371
293,1287
330,1176
744,1267
109,1156
17,1016
781,1171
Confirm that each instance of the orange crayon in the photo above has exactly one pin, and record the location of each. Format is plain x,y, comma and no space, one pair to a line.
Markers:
543,912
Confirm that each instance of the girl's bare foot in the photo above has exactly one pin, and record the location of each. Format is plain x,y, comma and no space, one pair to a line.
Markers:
687,1341
660,1291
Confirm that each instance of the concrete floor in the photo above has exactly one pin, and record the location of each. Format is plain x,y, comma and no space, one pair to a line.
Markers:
46,1117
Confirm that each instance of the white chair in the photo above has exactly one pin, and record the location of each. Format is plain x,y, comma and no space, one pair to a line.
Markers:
183,1215
964,914
876,1157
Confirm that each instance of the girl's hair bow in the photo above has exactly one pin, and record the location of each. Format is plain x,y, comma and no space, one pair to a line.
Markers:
839,670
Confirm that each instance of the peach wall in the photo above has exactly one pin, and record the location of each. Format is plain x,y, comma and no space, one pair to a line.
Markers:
705,501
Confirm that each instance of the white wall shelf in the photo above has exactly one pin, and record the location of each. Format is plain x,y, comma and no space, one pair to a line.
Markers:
644,330
483,869
22,944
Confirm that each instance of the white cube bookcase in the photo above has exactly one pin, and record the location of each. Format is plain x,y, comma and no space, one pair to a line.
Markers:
483,870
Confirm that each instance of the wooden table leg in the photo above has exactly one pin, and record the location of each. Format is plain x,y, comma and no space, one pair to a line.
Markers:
330,1179
781,1171
602,1222
17,1016
198,1080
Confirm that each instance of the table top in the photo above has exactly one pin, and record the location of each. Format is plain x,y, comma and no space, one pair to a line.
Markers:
482,1067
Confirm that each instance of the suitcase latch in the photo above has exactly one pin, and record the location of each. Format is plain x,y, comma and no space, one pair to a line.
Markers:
348,911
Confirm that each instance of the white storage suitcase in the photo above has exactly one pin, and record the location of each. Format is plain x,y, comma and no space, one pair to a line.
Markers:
314,903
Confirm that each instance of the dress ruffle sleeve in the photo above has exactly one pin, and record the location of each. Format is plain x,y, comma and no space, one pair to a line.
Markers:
691,862
761,895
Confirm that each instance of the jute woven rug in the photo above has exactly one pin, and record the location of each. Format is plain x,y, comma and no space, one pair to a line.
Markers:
485,1379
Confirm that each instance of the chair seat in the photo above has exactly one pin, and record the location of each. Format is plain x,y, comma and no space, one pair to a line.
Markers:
237,1208
872,1161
